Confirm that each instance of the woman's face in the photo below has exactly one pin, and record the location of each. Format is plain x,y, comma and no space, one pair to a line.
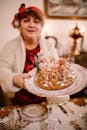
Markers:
30,28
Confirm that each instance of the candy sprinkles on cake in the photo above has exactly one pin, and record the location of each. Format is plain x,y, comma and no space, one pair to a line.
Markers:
54,73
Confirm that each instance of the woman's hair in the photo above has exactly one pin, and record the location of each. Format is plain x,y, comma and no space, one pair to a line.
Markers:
30,11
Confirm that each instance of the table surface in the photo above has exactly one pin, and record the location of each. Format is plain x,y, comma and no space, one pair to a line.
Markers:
69,115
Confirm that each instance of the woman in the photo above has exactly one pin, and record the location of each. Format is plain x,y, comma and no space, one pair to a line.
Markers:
17,57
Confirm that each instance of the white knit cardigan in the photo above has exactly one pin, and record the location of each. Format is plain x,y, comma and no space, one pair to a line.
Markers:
12,61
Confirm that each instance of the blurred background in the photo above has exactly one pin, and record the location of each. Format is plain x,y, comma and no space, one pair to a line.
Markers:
59,28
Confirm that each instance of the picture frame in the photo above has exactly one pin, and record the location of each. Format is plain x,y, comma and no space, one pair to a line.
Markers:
66,9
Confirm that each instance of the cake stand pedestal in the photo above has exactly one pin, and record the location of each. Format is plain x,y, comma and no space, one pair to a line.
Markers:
53,102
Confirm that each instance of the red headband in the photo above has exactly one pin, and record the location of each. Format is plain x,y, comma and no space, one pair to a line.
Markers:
23,10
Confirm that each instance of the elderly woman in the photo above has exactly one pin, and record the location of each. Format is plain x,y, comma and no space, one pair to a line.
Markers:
17,57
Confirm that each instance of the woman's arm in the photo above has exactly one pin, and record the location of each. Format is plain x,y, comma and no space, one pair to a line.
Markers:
8,69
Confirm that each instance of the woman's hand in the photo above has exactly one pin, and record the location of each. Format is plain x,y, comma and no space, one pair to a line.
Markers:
18,80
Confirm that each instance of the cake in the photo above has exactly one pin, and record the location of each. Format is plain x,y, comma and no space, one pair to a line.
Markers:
54,74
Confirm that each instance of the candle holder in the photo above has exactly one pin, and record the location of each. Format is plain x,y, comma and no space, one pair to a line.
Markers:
75,34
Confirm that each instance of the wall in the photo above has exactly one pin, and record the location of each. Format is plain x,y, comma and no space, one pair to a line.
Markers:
58,27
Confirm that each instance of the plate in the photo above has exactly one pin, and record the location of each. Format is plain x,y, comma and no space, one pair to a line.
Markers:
34,112
78,84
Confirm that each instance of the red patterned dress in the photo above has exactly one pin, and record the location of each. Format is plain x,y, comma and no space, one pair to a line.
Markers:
23,97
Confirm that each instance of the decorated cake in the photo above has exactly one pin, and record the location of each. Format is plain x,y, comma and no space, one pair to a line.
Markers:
54,73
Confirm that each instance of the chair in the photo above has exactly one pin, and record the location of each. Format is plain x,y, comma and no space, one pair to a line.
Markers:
52,38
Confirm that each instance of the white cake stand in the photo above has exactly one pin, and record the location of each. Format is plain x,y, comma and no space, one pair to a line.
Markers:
78,84
58,96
